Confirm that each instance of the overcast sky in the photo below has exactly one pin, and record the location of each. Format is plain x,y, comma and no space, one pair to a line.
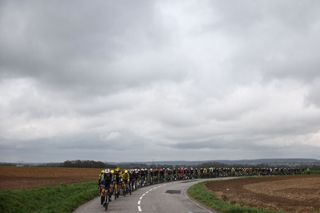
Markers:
159,80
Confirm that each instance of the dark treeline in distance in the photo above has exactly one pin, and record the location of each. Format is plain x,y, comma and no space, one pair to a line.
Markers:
259,163
86,164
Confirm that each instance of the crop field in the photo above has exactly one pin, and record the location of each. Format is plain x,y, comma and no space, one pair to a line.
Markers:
27,178
289,194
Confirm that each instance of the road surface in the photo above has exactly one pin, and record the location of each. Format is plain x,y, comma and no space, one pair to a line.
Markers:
162,198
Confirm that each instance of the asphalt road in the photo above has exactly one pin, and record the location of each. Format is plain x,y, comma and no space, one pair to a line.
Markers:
162,198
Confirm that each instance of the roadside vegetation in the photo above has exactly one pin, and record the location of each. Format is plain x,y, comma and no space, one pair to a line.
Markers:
314,172
63,198
200,193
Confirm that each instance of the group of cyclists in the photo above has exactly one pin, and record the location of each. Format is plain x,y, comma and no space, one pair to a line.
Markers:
116,182
113,181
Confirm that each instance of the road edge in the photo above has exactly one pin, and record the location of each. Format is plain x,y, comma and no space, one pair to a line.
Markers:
200,205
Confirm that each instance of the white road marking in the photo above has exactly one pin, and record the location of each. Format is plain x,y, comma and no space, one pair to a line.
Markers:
144,194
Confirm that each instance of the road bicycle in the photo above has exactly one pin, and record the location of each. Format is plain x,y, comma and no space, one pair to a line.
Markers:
104,197
116,190
126,188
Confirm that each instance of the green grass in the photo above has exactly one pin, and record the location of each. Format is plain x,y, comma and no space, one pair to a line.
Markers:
62,199
200,193
314,171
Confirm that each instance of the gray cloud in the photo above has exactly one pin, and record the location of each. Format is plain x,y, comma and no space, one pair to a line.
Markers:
157,80
110,45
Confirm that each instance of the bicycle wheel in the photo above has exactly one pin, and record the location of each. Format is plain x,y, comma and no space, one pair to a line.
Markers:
106,203
102,200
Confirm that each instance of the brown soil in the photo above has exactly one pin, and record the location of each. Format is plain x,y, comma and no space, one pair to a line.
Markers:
289,194
25,178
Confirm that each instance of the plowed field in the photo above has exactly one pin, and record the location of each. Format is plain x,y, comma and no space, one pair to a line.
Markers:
23,178
290,194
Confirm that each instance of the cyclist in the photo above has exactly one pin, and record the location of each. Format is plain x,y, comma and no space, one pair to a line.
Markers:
161,174
144,174
132,180
100,177
125,177
116,181
106,186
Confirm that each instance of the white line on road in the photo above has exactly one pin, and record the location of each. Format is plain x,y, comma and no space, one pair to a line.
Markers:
144,194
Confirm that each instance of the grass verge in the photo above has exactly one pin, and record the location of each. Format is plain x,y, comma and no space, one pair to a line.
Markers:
200,193
62,199
315,172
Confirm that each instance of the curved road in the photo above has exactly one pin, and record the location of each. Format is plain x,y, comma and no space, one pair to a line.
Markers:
162,198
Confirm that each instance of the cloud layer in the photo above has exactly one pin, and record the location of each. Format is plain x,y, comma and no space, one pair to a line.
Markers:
159,80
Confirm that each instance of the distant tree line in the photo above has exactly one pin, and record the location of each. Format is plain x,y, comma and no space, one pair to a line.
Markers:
261,165
86,164
7,164
129,165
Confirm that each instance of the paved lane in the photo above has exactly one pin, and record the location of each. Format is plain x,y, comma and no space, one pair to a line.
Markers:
171,197
162,198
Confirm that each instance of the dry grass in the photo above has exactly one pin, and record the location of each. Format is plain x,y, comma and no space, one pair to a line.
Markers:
26,178
289,194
